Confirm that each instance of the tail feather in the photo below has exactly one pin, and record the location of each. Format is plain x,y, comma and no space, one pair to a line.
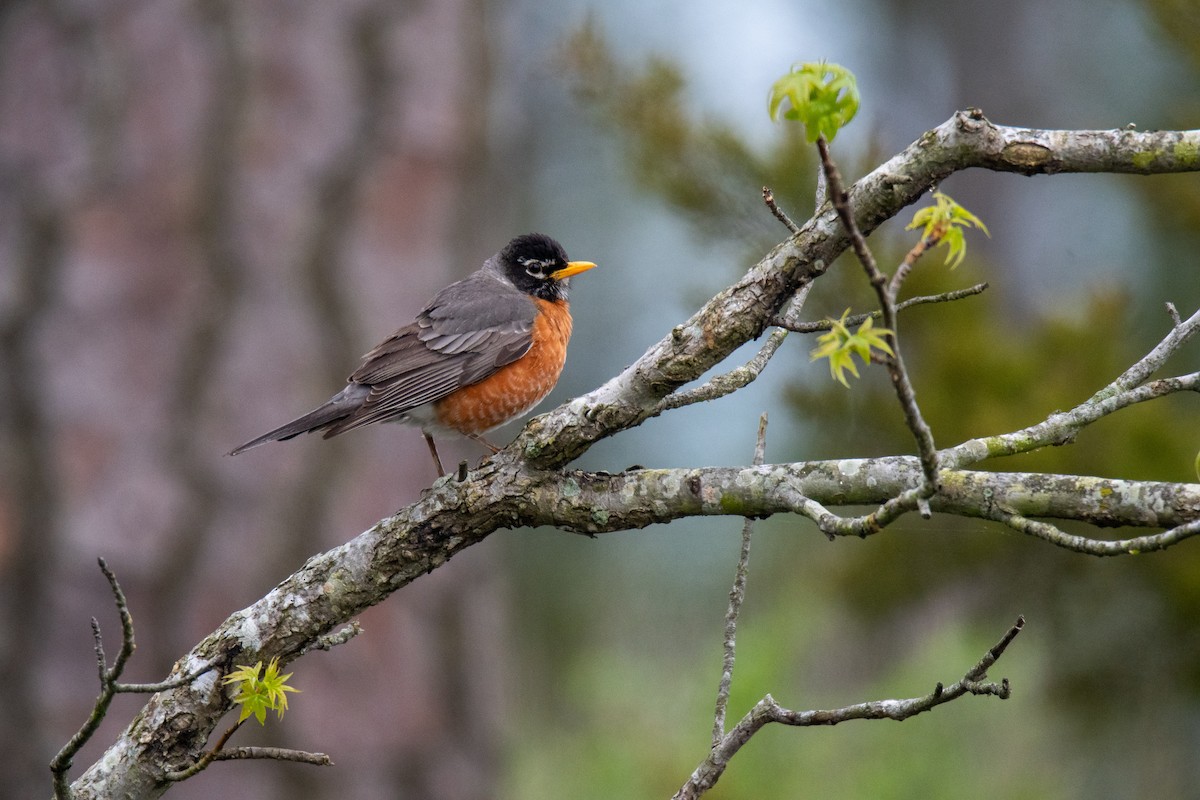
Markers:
336,408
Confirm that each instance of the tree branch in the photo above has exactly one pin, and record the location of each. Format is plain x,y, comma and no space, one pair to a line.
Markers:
817,326
767,710
64,758
275,754
109,687
1095,547
219,753
886,293
736,596
597,503
728,382
769,199
206,758
1061,427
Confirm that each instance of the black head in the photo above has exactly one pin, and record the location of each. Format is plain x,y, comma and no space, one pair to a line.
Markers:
538,265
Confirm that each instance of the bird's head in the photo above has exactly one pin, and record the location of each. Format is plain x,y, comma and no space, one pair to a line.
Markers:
538,266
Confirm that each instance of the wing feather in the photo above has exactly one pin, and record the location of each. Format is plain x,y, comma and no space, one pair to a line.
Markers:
469,331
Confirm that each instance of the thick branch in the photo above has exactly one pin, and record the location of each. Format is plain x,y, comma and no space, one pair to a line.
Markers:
598,503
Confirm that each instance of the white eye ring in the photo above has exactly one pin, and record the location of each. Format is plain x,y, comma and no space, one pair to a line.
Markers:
534,267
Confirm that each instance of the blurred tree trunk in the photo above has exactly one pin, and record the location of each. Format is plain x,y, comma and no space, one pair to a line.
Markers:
207,211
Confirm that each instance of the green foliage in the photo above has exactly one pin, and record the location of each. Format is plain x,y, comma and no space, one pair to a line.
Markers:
699,167
943,223
823,97
1197,466
840,346
260,690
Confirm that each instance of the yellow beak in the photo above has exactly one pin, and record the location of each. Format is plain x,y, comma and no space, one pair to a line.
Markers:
572,268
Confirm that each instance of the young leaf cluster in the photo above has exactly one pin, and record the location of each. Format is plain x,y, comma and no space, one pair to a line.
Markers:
260,690
943,223
824,97
840,345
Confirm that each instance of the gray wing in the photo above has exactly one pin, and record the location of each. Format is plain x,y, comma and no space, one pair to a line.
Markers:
469,331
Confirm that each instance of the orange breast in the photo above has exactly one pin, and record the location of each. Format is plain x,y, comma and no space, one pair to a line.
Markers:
516,387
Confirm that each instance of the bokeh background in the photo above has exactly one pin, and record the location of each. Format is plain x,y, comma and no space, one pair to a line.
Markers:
208,209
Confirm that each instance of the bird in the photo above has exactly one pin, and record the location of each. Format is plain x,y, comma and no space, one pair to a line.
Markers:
485,350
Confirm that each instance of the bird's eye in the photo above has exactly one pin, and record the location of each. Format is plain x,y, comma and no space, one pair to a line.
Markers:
534,267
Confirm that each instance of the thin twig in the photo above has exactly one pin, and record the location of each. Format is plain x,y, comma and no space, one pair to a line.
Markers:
909,261
1136,375
109,685
206,758
1061,427
332,640
728,382
161,686
767,710
1096,547
127,640
218,753
887,303
275,753
817,326
736,596
788,314
744,375
833,525
62,761
769,199
841,204
980,670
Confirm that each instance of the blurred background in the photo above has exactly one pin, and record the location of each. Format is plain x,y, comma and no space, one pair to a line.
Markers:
208,210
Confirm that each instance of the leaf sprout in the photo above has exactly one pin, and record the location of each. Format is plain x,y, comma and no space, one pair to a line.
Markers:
943,223
824,97
840,346
260,690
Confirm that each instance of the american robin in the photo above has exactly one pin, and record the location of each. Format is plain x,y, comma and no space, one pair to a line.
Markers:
485,350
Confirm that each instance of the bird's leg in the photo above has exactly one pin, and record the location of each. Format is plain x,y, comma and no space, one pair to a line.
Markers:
484,442
437,461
